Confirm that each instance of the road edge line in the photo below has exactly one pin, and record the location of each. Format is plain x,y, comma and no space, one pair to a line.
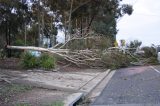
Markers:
155,69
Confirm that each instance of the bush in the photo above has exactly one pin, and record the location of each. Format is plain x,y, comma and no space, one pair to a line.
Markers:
44,61
150,55
149,52
115,60
29,61
152,61
47,61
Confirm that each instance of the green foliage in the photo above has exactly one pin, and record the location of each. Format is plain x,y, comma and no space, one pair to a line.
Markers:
152,61
127,9
93,42
134,45
106,27
57,103
17,53
19,42
22,104
44,61
19,88
149,52
115,60
29,61
47,61
150,55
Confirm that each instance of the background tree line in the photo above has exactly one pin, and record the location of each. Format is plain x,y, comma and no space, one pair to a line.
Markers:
26,22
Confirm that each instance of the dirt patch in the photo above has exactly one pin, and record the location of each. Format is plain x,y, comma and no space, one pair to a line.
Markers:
67,77
40,97
18,95
9,91
10,63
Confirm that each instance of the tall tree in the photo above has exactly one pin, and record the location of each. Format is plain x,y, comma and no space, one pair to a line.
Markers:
12,13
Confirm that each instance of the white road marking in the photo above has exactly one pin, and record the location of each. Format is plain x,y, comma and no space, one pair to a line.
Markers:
155,69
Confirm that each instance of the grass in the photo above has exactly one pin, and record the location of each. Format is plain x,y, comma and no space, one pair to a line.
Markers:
57,103
13,88
19,88
22,104
7,91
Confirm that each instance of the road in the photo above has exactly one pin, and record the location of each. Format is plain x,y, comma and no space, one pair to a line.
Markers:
135,86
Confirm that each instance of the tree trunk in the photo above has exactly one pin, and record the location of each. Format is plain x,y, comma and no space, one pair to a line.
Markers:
39,27
42,29
9,40
25,33
81,26
92,18
70,16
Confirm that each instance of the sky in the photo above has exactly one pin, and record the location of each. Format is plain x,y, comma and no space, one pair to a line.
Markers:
143,24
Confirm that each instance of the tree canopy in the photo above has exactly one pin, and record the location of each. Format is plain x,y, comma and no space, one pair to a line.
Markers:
40,16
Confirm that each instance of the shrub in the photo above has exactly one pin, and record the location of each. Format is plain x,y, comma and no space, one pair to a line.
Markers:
44,61
149,52
29,61
115,60
47,61
152,60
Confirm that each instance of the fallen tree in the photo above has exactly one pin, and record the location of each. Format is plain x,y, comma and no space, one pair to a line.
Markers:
112,57
78,57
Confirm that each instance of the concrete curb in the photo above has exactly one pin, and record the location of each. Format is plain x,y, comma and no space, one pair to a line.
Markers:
94,83
84,91
98,90
130,105
72,99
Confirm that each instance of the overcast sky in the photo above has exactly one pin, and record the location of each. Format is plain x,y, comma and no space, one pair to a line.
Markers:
143,24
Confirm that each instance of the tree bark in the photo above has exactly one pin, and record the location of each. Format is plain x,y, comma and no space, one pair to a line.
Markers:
70,16
81,26
39,27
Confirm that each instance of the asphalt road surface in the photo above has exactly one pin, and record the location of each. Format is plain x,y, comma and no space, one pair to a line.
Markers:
135,86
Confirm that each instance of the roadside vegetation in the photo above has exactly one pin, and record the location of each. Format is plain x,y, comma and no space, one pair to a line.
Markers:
150,55
57,103
44,61
146,55
114,60
83,27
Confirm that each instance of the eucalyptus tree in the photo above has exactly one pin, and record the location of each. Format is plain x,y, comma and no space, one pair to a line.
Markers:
13,13
102,15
